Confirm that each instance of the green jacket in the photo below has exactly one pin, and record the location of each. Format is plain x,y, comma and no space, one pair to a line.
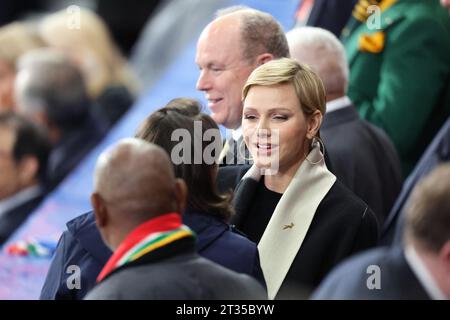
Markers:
404,88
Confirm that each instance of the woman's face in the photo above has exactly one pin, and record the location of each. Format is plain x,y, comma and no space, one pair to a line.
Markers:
275,127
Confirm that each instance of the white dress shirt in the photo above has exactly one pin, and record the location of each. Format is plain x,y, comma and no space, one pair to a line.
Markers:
338,103
423,275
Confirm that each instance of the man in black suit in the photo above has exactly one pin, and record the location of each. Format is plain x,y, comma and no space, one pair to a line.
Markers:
420,269
24,150
438,152
50,90
361,155
331,15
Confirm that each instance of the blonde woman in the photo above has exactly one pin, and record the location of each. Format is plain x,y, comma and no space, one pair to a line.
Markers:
109,79
303,219
15,40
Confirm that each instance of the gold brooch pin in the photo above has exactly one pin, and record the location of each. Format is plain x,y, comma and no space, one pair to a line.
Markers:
288,226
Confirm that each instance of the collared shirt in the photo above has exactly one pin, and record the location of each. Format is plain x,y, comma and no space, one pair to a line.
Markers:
236,134
423,275
19,198
338,103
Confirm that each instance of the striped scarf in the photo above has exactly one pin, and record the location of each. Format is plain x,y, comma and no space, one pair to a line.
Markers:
146,238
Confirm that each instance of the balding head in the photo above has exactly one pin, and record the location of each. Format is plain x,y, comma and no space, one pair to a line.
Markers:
134,182
259,31
323,52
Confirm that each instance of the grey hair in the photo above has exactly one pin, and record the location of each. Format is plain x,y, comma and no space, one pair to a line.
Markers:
260,33
53,86
324,53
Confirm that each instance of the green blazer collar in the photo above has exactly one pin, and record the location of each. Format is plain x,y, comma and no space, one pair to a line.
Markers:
388,18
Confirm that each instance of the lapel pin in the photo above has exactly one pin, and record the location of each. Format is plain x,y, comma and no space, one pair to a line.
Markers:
288,226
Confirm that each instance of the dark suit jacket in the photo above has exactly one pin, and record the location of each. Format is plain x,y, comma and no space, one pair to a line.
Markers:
342,226
331,14
82,245
436,153
73,147
349,280
14,218
181,276
363,158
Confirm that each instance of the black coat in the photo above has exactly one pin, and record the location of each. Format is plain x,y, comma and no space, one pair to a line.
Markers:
363,158
175,272
181,276
82,245
349,280
342,226
75,144
11,220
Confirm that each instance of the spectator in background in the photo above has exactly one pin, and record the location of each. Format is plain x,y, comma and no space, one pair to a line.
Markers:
361,155
400,71
15,40
24,150
331,15
303,219
438,152
228,50
137,202
50,90
419,269
109,80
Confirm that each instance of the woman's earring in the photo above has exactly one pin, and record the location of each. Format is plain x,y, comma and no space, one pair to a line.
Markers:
317,141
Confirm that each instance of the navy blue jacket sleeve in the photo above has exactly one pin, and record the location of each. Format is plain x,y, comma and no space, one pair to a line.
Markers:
54,285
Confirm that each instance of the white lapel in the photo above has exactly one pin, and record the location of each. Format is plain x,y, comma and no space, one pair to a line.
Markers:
292,217
223,153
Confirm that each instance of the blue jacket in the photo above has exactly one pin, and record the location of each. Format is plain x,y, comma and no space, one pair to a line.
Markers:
82,245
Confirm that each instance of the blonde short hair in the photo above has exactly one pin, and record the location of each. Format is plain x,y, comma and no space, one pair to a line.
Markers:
16,39
94,42
308,86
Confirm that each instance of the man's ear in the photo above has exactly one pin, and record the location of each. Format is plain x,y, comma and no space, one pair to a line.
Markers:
181,194
29,167
263,58
101,212
444,256
314,123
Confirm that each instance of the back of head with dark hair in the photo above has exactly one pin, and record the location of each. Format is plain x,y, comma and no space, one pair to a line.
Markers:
55,86
30,140
427,218
182,113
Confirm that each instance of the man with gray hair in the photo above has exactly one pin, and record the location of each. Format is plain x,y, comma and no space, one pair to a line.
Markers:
361,155
138,203
50,91
228,50
417,269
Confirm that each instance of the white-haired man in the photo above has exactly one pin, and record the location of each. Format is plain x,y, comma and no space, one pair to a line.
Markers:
361,155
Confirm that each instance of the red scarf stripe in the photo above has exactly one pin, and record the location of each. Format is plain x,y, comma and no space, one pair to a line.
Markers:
162,223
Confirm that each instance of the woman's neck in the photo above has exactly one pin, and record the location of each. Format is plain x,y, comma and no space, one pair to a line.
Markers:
280,181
